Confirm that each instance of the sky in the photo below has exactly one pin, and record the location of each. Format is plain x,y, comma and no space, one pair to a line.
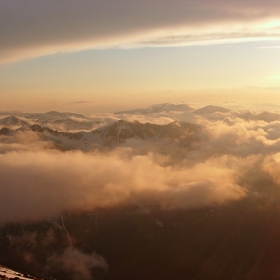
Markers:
105,56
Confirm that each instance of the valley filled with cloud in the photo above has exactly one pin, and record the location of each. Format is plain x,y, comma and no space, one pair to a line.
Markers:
167,160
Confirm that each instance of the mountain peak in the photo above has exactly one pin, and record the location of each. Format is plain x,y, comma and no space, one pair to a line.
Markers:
210,109
158,108
5,131
13,121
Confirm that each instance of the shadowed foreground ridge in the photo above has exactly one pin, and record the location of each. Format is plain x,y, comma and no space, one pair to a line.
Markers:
238,241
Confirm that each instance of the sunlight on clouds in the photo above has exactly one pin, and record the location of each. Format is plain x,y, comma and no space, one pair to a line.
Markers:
214,34
215,168
157,37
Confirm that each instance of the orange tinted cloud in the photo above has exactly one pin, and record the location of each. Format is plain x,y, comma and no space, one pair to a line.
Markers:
40,184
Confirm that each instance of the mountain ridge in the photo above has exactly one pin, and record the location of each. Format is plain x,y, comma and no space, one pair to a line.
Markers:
115,133
158,108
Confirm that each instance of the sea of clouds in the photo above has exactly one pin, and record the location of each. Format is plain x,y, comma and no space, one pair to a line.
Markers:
235,158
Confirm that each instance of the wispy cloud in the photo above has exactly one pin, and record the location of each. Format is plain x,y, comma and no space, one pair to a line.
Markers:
30,29
269,47
79,102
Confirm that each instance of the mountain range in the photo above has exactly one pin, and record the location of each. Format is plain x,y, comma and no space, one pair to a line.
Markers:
159,108
114,134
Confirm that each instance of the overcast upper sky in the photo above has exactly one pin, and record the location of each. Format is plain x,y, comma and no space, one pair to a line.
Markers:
114,38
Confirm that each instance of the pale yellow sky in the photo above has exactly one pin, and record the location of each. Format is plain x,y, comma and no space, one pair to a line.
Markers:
98,57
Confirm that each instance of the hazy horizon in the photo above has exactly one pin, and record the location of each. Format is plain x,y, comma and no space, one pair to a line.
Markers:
91,56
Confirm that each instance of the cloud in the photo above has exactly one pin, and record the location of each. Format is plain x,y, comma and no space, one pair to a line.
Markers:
23,141
35,185
271,165
104,119
234,159
269,47
155,118
78,263
32,29
80,102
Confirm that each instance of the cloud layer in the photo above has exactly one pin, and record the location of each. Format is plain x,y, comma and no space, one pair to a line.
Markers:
36,185
30,29
237,157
